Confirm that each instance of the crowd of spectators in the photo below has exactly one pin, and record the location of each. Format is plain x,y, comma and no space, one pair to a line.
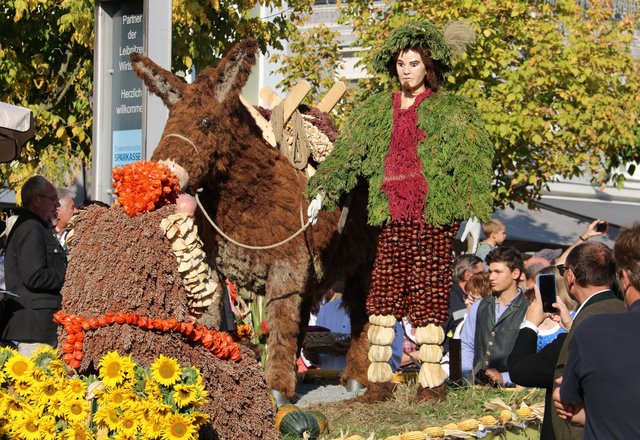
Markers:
497,332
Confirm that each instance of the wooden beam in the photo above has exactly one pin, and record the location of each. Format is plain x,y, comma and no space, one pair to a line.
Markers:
269,97
297,94
332,97
265,126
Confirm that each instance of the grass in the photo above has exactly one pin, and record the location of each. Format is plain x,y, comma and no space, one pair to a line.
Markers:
401,414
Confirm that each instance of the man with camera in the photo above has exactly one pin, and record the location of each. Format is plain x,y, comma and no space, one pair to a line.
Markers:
589,272
599,385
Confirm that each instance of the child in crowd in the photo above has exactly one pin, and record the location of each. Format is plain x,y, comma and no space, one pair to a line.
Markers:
495,232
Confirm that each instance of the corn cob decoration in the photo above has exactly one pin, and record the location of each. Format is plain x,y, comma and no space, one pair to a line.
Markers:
199,280
412,277
380,334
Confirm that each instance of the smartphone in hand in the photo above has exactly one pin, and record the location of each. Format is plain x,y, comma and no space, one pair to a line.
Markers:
601,227
547,287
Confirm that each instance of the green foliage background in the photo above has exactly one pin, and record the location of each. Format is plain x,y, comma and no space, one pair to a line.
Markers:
556,84
46,64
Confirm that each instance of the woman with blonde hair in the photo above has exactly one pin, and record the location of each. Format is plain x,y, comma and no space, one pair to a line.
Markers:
549,330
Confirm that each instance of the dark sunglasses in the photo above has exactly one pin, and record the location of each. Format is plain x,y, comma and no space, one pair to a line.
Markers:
562,269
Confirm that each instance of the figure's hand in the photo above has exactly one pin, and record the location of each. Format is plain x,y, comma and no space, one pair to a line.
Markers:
472,229
186,204
494,375
314,208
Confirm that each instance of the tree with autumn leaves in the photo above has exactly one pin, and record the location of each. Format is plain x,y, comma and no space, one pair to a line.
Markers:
46,64
557,87
556,84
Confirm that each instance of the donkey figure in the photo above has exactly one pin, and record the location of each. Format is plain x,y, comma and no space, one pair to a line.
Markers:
256,197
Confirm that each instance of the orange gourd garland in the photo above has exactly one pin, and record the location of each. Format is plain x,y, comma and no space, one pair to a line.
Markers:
221,344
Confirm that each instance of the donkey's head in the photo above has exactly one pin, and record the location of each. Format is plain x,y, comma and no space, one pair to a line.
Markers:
202,130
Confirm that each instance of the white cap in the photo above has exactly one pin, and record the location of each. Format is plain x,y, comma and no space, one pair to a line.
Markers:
10,222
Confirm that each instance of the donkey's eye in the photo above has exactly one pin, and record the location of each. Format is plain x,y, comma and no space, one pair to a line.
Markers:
206,123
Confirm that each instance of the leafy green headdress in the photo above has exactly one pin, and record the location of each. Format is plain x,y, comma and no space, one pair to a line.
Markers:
443,46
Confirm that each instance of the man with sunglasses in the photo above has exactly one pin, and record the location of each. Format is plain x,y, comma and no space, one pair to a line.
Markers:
35,266
599,385
589,272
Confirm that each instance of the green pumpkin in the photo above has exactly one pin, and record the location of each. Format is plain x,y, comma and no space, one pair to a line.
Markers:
298,422
323,423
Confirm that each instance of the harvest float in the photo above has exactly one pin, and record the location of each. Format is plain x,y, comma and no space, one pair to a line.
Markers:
147,276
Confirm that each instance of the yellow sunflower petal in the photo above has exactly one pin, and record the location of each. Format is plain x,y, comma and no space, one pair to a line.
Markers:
166,371
18,367
179,428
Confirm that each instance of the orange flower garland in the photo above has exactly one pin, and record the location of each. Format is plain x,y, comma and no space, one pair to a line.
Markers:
221,344
144,186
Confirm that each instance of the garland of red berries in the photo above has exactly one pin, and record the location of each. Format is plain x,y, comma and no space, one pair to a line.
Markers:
221,344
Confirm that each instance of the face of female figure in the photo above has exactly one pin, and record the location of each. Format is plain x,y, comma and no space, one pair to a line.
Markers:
411,71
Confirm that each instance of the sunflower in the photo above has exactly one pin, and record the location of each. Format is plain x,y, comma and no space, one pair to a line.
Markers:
57,369
113,369
77,432
23,387
47,426
76,410
161,410
152,390
6,353
125,436
183,395
56,405
45,391
151,429
179,427
76,388
18,367
14,406
128,424
38,375
26,426
108,415
165,371
199,418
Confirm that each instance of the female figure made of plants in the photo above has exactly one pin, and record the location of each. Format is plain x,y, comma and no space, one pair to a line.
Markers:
428,162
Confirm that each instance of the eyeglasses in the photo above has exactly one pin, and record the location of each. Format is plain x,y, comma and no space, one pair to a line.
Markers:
54,198
562,269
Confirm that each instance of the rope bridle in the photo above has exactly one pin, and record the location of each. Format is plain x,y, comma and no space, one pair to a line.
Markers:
304,227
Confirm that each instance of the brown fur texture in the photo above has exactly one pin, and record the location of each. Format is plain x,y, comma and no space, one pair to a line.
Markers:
122,264
377,392
437,394
256,197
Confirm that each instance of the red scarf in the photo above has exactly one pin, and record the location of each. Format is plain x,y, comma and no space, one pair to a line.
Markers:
404,183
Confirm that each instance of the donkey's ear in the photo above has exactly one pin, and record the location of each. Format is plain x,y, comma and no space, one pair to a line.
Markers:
160,81
228,79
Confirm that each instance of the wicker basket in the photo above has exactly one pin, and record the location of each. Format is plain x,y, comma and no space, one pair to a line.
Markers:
326,342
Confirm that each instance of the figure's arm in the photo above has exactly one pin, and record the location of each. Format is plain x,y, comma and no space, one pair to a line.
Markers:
339,173
460,174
